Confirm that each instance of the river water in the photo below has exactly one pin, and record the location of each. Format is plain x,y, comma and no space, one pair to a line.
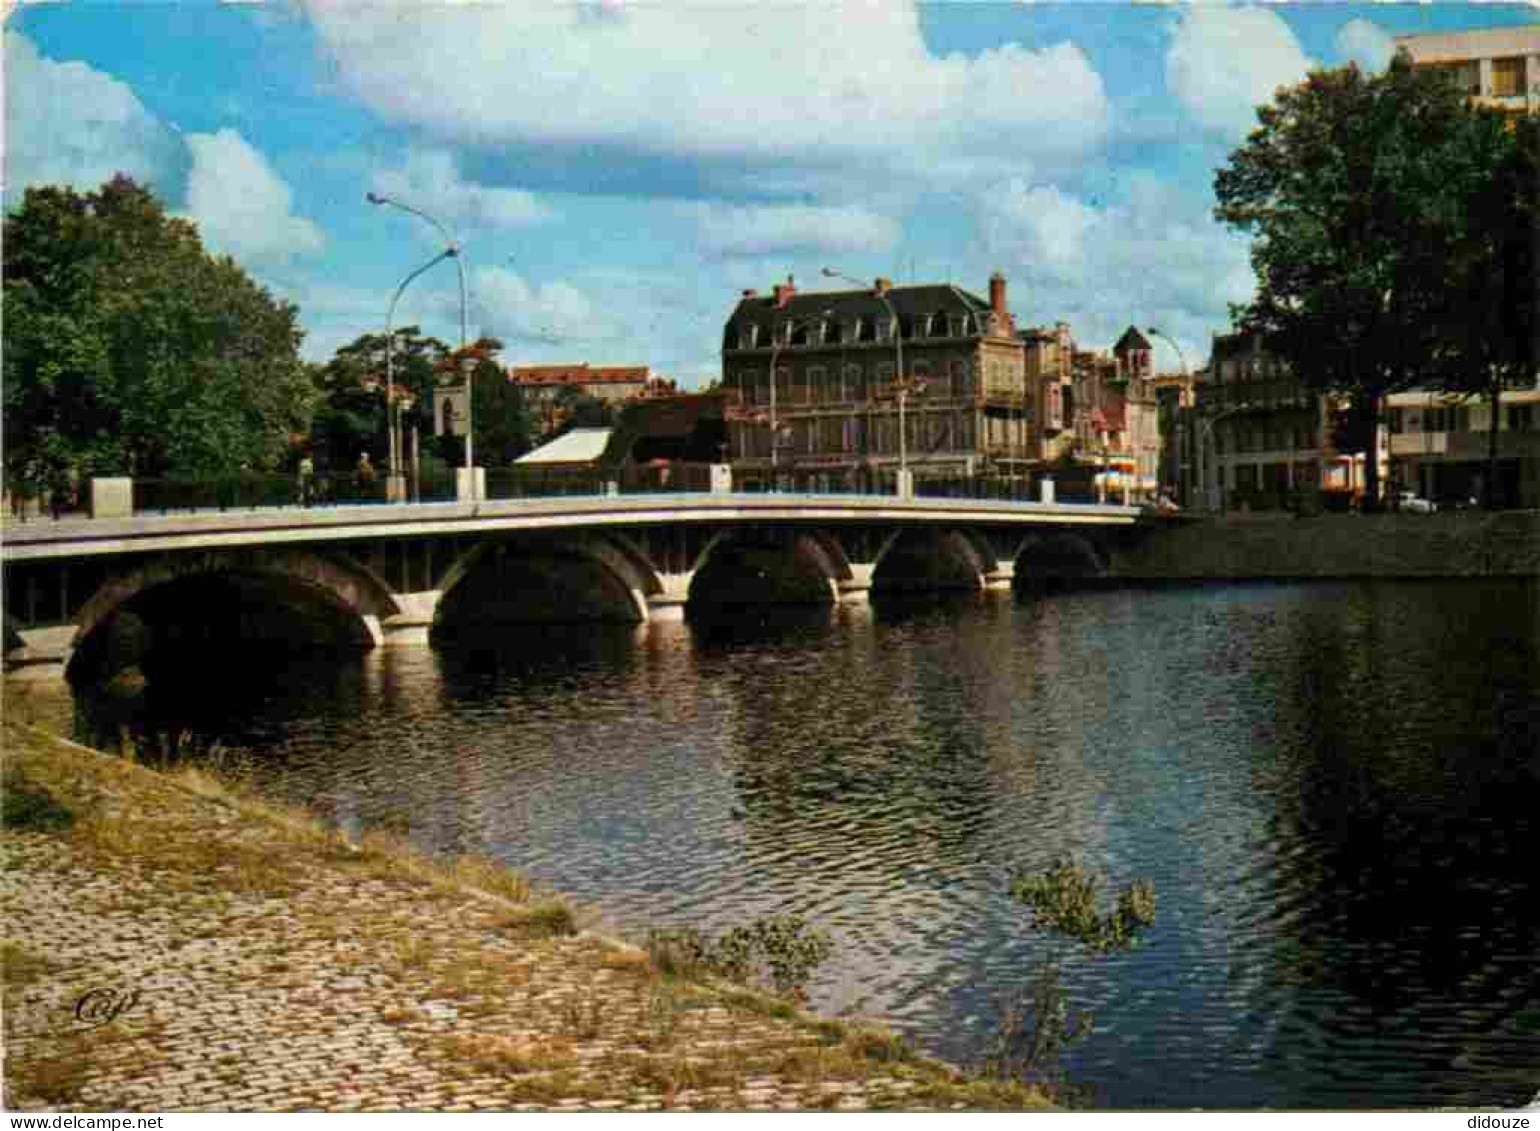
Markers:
1334,787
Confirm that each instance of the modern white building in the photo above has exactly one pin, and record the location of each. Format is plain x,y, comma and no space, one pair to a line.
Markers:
1499,67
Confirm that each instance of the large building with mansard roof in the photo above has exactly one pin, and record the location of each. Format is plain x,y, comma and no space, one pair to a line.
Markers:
841,359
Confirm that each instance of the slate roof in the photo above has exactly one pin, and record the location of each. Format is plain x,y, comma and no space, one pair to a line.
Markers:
1132,339
583,374
909,303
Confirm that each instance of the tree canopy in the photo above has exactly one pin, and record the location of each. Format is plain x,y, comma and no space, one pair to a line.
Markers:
500,414
1377,236
131,350
351,416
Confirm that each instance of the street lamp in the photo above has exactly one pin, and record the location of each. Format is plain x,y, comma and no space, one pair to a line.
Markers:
393,477
775,350
1182,359
900,388
451,251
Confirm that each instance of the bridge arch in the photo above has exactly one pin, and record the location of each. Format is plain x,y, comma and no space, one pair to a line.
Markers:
921,560
767,567
545,581
287,598
1059,556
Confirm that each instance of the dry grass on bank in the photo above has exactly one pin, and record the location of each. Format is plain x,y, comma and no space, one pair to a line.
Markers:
483,981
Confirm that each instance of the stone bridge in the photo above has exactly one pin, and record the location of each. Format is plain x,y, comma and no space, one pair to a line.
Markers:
352,578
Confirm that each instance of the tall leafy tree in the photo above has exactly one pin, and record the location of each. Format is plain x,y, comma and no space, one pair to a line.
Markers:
1495,336
351,416
131,350
1359,192
500,413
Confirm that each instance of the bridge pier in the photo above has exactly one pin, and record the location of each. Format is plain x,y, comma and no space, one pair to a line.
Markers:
857,588
1003,576
43,656
413,624
668,605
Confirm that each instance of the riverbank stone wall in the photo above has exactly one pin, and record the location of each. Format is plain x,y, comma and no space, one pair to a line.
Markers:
1453,544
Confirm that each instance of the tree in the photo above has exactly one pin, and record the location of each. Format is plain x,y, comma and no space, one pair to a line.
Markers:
577,409
1360,195
1496,333
131,350
500,415
351,417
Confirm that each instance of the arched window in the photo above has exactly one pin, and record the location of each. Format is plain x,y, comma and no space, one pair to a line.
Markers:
449,419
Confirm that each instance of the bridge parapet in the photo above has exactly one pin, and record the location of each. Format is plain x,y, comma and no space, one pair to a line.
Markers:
392,574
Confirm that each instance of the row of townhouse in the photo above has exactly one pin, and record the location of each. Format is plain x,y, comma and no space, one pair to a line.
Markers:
1258,438
933,382
1251,435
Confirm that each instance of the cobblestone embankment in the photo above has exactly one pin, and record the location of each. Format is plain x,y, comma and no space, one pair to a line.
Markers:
267,964
1454,545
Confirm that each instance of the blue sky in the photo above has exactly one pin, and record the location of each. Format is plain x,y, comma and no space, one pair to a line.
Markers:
618,172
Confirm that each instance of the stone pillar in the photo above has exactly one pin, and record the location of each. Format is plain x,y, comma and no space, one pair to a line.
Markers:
44,655
721,479
112,497
413,623
905,484
1046,487
669,604
857,588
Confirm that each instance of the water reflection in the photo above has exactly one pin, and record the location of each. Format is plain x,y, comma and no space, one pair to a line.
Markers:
1335,789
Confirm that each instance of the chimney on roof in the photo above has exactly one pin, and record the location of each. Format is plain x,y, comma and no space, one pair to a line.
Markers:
997,294
784,291
884,285
750,292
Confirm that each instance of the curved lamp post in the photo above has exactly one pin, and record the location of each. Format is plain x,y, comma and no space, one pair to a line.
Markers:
1181,358
451,251
901,387
392,415
791,325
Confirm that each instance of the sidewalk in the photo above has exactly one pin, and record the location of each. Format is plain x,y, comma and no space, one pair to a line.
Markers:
173,945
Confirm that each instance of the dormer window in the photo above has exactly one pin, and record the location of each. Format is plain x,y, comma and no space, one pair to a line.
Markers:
884,329
798,333
866,329
958,325
829,332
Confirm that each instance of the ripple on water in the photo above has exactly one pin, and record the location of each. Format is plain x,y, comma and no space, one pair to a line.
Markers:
1324,782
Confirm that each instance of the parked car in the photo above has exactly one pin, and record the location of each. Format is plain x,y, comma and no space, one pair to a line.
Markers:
1414,504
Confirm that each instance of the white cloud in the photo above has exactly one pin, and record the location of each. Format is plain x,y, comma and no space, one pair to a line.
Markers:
754,84
507,306
1366,44
1224,62
748,231
241,205
1039,224
1152,256
66,123
430,179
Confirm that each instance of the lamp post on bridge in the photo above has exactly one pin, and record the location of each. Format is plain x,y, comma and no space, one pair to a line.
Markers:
451,251
394,478
791,325
1181,360
901,387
